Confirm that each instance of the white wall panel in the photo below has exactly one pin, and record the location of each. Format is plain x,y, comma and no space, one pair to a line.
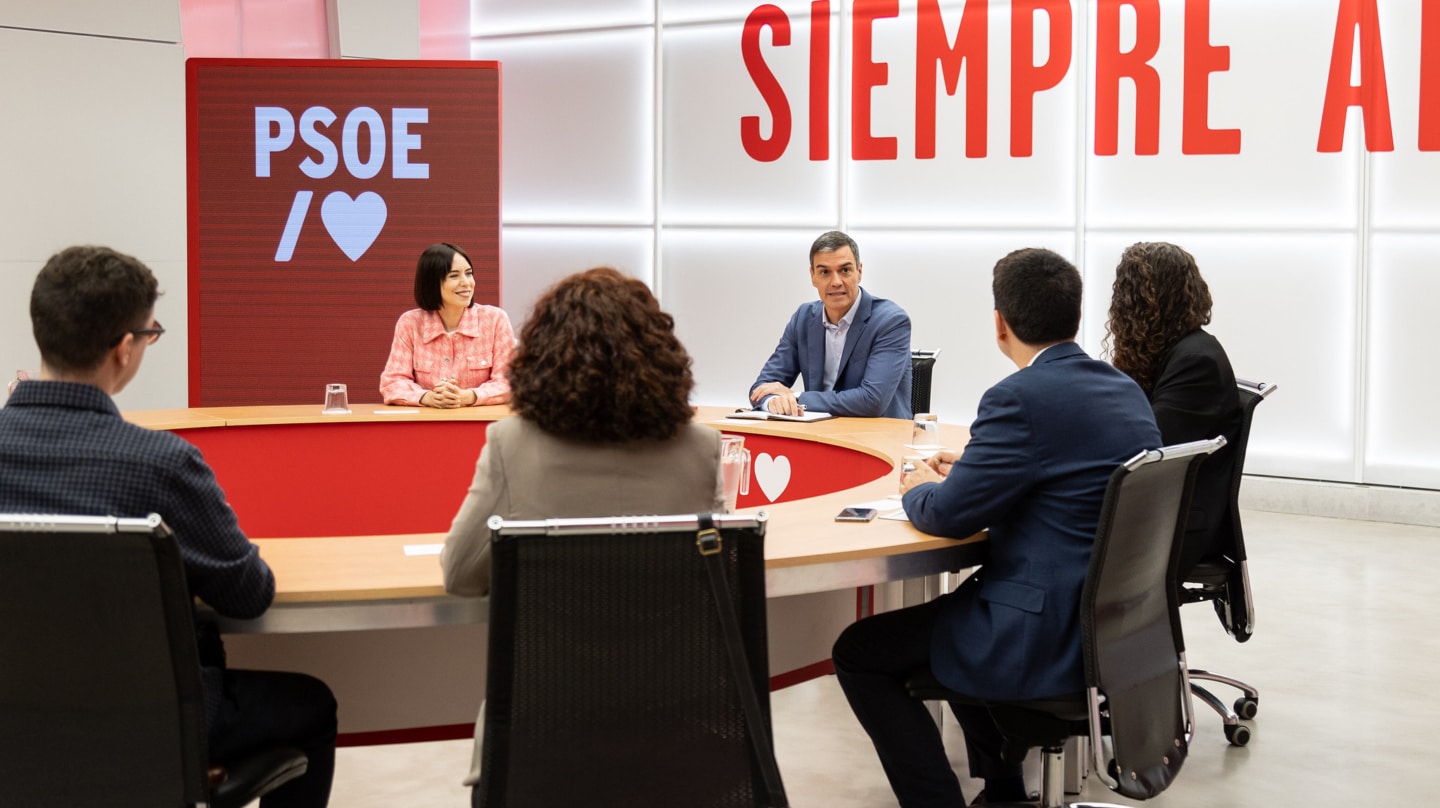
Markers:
708,177
113,174
942,280
96,151
1285,311
157,20
492,17
953,188
533,258
1402,435
378,29
731,292
577,119
1273,92
17,345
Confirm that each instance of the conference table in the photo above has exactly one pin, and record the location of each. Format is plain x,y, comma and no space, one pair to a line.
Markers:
350,512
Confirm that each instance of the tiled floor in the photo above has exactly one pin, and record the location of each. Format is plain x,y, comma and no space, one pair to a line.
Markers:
1346,655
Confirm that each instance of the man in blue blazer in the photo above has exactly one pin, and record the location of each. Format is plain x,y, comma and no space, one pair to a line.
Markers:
1042,448
852,349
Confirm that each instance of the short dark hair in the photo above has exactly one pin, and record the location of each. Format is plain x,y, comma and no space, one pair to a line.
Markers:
1038,293
430,272
832,241
83,300
599,362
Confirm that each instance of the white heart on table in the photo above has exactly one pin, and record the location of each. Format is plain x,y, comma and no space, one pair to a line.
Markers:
773,475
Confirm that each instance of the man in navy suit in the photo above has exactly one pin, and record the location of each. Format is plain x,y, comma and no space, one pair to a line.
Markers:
852,349
1042,448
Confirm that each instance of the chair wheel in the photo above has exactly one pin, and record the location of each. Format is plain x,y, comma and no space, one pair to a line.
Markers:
1237,735
1246,707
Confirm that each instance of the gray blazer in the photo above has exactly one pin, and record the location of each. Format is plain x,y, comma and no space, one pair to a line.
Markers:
525,472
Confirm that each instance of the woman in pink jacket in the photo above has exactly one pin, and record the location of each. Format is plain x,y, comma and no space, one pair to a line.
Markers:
450,352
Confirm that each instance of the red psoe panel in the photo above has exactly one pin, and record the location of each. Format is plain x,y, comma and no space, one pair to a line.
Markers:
314,185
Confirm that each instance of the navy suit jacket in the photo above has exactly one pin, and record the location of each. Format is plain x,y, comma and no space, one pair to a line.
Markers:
874,378
1041,452
1194,398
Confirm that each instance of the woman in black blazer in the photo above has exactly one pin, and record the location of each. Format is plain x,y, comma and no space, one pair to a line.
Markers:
1154,335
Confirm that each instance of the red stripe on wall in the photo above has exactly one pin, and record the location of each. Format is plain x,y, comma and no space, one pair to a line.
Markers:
780,681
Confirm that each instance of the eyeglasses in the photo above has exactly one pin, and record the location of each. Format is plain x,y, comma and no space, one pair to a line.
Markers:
154,333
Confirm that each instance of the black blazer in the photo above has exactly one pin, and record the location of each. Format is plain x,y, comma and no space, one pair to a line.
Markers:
1194,398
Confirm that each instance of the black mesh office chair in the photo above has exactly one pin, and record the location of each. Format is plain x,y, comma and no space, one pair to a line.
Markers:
1224,580
100,695
612,666
1137,693
922,366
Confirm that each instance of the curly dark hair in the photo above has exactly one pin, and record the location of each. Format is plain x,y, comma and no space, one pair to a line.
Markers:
1158,298
599,362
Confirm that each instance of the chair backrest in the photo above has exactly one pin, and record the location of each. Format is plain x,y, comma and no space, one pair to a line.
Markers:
1251,394
922,366
1234,604
100,692
609,681
1130,616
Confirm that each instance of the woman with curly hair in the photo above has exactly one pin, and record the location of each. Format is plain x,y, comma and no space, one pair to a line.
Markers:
1158,306
600,391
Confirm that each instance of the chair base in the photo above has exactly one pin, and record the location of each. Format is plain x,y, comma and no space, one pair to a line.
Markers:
1052,785
1244,708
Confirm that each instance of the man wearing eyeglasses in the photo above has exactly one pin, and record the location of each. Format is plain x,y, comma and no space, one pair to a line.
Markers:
65,449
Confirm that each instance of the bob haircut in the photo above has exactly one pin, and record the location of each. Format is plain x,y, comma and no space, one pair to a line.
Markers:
430,272
599,362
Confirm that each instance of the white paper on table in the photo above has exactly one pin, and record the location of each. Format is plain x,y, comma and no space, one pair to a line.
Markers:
896,516
924,449
806,416
423,549
879,505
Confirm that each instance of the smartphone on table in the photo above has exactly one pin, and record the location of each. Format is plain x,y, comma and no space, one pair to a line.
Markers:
856,515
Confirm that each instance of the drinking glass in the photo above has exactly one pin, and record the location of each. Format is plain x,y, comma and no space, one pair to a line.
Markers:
926,434
734,469
336,400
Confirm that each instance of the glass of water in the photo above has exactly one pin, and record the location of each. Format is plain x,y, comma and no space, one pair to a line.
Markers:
926,434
